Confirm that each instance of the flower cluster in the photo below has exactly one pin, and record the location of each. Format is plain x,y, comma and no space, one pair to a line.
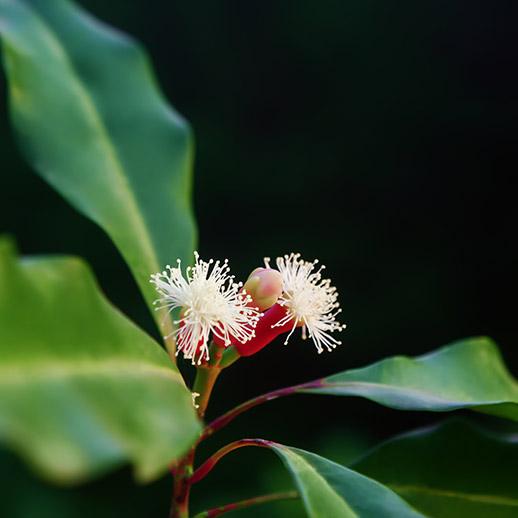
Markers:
212,304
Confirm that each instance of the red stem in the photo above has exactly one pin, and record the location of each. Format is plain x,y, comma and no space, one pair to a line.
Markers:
209,464
182,487
206,377
229,416
249,502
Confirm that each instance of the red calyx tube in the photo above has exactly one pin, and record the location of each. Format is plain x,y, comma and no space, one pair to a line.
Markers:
264,332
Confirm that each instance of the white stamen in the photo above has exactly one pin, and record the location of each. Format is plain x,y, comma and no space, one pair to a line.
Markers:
194,396
309,300
210,302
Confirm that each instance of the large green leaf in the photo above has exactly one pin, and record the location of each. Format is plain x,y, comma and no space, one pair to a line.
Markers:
450,471
328,489
94,125
466,374
83,389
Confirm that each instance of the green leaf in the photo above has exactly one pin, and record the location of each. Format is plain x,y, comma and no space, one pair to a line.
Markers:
328,489
451,470
82,389
94,125
466,374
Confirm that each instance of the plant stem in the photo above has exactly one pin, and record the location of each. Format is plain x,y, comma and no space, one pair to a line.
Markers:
230,355
182,487
206,376
209,464
229,416
249,502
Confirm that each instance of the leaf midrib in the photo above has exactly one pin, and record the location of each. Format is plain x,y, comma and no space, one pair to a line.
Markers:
93,112
352,384
473,497
55,370
313,470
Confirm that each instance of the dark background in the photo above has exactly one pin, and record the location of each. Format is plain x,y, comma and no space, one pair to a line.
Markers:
380,137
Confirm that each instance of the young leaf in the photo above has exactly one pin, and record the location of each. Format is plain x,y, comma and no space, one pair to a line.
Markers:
82,389
466,374
451,470
328,489
93,123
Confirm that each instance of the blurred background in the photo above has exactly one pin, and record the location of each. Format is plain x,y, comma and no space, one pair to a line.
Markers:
378,137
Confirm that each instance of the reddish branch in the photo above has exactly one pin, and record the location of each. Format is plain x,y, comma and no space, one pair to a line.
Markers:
226,418
249,502
182,487
207,466
206,378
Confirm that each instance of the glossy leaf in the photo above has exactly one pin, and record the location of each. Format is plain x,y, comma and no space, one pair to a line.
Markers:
82,389
328,489
450,471
94,125
466,374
